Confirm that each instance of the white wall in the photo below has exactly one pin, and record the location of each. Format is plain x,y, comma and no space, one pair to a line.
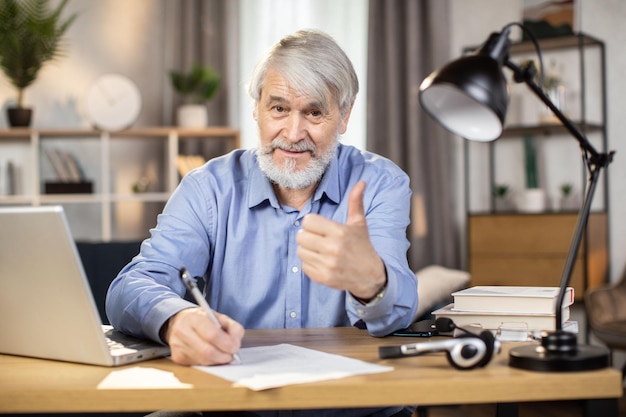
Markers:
466,32
605,20
108,36
264,22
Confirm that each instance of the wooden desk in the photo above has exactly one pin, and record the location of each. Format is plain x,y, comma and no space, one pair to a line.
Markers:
33,385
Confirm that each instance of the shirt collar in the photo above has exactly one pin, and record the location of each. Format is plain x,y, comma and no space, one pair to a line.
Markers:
329,185
260,188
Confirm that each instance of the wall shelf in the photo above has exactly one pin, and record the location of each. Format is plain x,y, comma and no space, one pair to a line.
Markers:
515,131
155,147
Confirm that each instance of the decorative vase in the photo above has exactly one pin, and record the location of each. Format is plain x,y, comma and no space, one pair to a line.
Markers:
533,200
555,90
193,116
19,117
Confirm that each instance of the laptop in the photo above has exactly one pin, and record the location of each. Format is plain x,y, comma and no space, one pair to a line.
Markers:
47,309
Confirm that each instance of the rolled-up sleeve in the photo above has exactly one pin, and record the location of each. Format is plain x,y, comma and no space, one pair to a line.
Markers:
387,201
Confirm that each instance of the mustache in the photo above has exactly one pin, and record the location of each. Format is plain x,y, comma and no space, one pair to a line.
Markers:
300,146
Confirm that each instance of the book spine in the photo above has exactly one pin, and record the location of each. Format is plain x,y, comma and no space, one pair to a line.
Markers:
70,165
510,303
11,178
80,171
495,321
58,165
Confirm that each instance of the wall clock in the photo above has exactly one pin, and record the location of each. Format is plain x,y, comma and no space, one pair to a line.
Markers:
113,102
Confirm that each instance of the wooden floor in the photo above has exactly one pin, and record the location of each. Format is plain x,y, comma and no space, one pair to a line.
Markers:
540,409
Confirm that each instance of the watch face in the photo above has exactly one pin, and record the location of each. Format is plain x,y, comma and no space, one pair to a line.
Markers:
113,102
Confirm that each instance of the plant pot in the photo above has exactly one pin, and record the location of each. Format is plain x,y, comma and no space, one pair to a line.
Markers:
19,117
192,115
503,204
568,203
533,200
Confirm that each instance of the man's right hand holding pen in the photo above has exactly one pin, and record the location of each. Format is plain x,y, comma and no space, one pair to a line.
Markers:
196,339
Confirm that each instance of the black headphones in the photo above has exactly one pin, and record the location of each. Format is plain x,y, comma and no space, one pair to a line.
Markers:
467,351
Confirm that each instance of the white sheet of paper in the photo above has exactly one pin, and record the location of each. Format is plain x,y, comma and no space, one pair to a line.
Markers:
141,377
274,366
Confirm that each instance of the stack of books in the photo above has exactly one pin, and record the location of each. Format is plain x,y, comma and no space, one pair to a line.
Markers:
70,174
501,308
66,166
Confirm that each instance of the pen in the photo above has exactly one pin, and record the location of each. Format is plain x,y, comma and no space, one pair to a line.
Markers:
190,283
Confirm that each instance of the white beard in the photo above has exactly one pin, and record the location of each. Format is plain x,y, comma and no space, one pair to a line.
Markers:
287,176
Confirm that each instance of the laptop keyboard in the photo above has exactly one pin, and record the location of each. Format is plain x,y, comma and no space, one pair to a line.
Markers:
118,340
114,344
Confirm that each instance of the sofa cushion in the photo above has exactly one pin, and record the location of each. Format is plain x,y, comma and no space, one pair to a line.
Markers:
435,284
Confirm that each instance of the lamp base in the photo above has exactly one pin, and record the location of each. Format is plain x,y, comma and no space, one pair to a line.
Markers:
559,352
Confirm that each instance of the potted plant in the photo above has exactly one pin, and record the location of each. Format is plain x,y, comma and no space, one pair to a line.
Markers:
195,87
534,199
568,200
500,194
566,190
30,35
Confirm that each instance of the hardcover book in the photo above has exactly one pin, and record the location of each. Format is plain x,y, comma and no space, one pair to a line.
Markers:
495,320
510,299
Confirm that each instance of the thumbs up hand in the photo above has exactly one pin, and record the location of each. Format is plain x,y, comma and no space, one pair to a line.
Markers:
340,255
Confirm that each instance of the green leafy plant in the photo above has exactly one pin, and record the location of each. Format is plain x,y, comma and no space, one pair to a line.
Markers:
530,163
500,190
31,34
199,84
566,189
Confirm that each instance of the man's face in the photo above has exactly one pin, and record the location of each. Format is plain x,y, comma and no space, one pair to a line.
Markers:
298,136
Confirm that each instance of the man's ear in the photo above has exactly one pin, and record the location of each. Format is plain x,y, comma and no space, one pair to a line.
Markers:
343,126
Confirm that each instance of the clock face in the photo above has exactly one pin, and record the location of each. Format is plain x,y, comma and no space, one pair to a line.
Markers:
113,102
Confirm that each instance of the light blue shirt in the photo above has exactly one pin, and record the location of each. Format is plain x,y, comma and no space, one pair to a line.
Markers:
224,223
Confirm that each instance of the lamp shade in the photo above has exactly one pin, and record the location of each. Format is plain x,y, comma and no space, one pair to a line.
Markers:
468,97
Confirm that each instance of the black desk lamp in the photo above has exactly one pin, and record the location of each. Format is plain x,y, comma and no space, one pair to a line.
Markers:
469,97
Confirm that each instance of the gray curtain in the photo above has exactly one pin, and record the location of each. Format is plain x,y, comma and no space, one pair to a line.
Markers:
201,32
407,40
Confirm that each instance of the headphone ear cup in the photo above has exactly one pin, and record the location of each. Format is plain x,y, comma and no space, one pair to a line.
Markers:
452,358
453,363
489,339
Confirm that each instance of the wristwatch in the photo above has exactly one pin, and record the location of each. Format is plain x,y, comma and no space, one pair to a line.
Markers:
375,299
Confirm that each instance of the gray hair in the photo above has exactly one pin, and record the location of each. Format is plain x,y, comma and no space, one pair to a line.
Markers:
313,64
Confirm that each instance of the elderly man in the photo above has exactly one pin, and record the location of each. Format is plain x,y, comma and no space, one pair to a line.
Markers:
300,232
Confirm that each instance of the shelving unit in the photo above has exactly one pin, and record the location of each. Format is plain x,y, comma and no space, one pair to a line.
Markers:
516,248
161,147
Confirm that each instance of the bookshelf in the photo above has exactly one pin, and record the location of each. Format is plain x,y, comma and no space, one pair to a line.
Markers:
118,207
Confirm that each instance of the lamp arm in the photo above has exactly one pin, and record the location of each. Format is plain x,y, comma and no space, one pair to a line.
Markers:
595,162
581,223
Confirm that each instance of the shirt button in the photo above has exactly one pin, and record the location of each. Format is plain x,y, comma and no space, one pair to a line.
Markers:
294,269
296,223
360,311
293,315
